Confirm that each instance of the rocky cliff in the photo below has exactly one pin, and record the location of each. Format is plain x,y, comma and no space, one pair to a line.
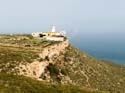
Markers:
37,68
58,63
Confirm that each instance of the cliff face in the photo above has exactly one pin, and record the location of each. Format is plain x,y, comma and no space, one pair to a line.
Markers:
46,56
75,67
58,63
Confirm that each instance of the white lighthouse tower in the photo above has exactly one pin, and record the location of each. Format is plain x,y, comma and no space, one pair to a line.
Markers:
53,28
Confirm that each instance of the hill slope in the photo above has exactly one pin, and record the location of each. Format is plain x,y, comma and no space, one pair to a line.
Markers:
81,69
16,84
55,63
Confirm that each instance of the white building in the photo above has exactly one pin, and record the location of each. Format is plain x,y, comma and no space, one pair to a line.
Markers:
36,34
52,35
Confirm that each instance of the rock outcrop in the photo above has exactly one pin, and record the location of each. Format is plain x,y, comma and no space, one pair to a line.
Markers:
59,63
37,68
54,50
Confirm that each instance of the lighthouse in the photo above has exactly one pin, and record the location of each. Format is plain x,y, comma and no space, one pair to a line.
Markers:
53,28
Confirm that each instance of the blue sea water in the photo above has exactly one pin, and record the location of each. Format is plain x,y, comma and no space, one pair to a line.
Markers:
110,51
108,55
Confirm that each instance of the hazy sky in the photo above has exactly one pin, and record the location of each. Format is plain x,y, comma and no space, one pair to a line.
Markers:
88,18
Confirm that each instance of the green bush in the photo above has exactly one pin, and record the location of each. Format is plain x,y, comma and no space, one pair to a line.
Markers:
53,69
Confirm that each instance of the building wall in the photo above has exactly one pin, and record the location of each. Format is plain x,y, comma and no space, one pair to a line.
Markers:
52,36
51,33
36,34
55,38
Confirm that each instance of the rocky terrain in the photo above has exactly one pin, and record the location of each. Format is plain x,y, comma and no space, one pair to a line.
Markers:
56,63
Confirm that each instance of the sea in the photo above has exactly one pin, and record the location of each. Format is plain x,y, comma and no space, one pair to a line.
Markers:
109,51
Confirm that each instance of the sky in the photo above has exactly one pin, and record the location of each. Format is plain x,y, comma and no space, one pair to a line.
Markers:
76,16
95,24
104,19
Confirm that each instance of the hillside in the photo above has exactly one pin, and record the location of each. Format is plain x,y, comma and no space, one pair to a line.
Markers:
36,63
20,84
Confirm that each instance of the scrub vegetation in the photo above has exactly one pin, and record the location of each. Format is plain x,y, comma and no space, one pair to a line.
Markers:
72,71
